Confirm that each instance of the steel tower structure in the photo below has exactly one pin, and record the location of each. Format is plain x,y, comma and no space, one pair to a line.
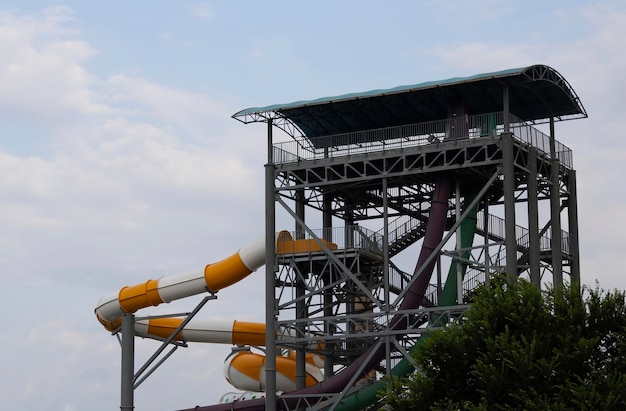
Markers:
372,180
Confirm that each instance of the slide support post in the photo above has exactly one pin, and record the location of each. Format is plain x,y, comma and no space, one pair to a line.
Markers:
270,279
128,362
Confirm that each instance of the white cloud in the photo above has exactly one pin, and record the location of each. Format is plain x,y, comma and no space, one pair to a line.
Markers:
41,64
164,101
128,162
202,10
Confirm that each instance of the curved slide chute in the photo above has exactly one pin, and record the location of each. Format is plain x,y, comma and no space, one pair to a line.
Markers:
213,278
244,370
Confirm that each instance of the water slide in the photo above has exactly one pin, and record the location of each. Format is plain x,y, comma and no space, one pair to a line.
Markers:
236,267
245,370
212,278
435,228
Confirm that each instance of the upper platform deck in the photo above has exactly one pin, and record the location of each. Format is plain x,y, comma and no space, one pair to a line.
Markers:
419,134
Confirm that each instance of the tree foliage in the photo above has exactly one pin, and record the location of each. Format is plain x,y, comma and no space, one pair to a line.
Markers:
520,348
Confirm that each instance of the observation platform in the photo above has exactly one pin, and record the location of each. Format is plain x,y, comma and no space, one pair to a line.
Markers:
445,165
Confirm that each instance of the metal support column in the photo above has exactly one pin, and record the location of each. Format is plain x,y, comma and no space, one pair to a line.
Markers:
386,243
459,244
349,225
327,225
439,285
128,362
572,215
505,109
486,241
555,212
270,279
386,270
327,217
301,308
300,206
533,219
509,204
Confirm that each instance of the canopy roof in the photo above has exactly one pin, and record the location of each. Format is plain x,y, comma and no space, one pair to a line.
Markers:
536,94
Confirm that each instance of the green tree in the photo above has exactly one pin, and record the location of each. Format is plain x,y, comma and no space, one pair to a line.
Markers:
520,348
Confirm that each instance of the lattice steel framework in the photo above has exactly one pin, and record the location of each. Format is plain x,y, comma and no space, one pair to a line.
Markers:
370,180
374,204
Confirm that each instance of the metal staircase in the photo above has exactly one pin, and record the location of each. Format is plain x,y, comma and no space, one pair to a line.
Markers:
405,231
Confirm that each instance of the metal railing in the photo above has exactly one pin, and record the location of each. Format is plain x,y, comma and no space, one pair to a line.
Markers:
532,136
417,134
387,138
401,227
496,228
348,237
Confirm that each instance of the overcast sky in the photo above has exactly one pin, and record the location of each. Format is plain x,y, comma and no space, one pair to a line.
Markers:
119,161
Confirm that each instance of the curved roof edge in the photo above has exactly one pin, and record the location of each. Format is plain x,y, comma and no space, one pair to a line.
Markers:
537,93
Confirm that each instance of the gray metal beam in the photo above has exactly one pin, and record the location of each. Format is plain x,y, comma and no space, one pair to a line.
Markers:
128,363
458,154
533,219
329,329
555,213
301,308
572,215
270,280
505,108
509,203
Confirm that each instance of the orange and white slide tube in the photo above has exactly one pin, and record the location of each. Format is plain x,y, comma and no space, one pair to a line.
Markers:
213,278
246,371
204,331
215,332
